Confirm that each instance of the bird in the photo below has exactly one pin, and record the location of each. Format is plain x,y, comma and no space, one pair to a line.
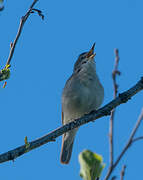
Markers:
82,94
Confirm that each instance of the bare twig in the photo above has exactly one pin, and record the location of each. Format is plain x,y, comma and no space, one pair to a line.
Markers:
39,12
137,139
123,172
106,110
22,22
116,72
5,72
126,147
111,122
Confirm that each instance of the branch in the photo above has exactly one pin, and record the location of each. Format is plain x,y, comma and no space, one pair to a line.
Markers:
129,143
111,126
22,22
123,172
138,138
13,44
104,111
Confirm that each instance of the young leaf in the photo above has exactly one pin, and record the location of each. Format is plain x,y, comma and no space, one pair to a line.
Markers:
91,165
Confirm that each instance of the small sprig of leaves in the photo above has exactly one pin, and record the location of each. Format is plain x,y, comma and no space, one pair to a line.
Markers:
5,73
91,165
27,144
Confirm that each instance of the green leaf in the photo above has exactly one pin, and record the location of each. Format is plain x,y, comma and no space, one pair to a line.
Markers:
5,73
91,165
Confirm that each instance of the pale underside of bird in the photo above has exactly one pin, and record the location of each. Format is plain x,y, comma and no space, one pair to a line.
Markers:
82,93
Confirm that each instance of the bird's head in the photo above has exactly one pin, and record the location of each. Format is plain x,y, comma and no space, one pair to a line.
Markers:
85,60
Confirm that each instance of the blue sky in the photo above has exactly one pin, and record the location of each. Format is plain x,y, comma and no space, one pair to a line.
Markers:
43,61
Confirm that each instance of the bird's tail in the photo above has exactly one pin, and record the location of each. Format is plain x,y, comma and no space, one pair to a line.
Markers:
67,145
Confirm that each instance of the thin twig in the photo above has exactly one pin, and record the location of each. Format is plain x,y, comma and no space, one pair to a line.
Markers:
22,22
137,139
116,72
126,147
111,122
104,111
39,12
123,172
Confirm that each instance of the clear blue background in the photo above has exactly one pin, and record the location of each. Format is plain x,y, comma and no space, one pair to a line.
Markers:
43,61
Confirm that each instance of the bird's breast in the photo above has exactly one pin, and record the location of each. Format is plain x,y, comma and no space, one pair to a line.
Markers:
82,96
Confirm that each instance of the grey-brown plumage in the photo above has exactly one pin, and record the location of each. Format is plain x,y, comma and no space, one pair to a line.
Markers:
82,93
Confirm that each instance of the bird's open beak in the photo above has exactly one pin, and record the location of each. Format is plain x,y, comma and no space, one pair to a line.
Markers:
91,53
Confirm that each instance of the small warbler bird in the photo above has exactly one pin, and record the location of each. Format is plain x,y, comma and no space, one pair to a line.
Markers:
82,93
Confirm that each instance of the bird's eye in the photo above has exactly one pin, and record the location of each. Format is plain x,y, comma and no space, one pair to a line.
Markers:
83,62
